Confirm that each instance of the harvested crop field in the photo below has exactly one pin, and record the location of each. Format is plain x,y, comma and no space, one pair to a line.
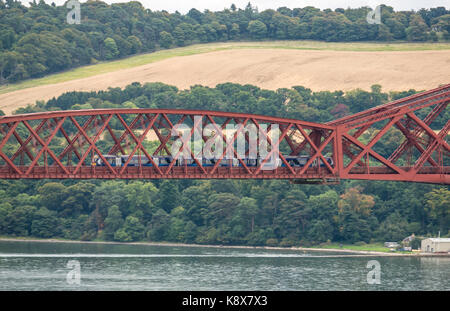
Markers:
268,68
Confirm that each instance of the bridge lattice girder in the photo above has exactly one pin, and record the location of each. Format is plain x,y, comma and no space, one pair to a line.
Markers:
63,144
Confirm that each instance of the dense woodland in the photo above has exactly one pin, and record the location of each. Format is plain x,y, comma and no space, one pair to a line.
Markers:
228,212
37,40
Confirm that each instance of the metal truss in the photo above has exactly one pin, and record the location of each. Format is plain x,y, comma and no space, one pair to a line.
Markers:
66,144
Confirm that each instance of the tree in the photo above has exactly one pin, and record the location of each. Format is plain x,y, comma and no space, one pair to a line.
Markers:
179,37
195,199
293,218
158,226
78,199
113,222
355,222
135,43
433,13
53,195
77,228
417,30
396,27
394,228
384,34
248,210
168,196
257,29
416,243
105,195
132,230
352,200
111,50
333,27
166,39
46,48
5,221
437,204
177,225
221,207
9,62
45,224
354,228
324,209
443,24
140,197
234,32
21,218
319,231
196,15
190,232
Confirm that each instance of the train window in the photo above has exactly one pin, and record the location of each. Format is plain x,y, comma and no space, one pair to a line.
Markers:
251,162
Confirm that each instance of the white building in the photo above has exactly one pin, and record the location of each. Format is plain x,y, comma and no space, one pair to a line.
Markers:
436,245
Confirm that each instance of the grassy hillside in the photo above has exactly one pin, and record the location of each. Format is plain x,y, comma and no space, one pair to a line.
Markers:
106,67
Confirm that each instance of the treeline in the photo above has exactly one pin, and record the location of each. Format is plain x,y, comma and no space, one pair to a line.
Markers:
231,212
37,40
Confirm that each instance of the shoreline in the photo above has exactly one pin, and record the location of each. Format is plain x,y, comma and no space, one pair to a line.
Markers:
293,248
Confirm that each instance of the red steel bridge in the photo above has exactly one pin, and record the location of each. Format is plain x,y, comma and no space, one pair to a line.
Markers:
404,140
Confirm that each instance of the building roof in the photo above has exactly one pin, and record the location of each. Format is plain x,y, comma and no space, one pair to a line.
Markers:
446,240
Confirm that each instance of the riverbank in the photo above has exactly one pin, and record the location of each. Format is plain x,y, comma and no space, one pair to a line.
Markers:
311,249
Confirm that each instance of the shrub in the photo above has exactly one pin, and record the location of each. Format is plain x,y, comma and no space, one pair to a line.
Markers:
272,242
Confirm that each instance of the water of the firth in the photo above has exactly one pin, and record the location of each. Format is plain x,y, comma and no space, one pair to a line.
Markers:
43,266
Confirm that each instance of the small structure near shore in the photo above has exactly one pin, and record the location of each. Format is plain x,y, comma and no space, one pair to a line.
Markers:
391,244
435,245
407,241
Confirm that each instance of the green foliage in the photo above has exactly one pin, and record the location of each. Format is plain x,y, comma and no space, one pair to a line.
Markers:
113,222
272,213
168,196
52,194
111,50
416,243
45,224
166,39
36,40
257,29
417,30
437,203
394,228
229,212
132,230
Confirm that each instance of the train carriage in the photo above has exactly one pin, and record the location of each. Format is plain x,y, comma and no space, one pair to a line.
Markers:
136,160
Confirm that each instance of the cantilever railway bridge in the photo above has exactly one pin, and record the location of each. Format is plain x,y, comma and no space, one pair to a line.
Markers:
64,144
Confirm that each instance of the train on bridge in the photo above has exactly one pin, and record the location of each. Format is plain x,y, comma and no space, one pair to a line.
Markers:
160,161
76,144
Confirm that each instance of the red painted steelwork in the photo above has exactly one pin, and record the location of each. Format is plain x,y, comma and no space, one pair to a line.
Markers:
64,144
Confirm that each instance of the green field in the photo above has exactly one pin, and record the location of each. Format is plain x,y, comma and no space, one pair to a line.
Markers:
142,59
374,247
